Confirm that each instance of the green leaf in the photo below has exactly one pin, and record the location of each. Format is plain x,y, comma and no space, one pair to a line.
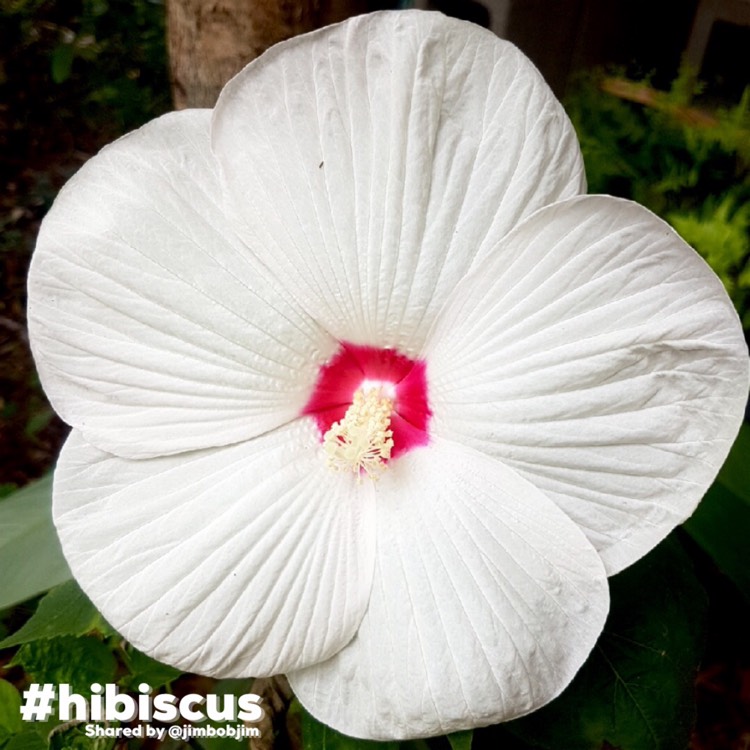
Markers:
461,740
7,488
718,230
26,740
735,474
74,738
636,689
65,610
61,62
31,560
78,662
37,422
234,687
10,708
721,524
145,669
221,743
317,736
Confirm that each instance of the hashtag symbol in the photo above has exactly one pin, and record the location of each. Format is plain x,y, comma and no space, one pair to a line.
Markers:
37,704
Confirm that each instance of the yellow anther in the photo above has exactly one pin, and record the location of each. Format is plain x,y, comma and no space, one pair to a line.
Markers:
362,441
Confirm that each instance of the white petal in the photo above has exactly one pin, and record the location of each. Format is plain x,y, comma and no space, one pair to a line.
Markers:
374,160
598,356
153,327
244,560
486,600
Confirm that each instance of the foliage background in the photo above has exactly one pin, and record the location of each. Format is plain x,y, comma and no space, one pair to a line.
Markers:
673,666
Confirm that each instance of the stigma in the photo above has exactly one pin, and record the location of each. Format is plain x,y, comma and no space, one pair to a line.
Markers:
362,441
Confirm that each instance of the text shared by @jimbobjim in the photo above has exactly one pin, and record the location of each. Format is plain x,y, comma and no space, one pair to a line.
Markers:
232,715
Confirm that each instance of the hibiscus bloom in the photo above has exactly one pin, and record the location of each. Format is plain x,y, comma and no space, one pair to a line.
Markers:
364,390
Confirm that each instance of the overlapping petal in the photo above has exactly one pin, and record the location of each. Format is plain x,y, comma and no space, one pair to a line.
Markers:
374,161
598,356
244,560
155,330
486,600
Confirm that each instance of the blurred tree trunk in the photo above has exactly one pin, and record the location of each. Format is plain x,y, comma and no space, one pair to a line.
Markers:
211,40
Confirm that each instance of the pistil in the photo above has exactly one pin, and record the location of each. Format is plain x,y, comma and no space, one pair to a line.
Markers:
361,442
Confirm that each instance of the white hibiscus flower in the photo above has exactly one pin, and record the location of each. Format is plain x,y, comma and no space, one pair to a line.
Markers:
386,212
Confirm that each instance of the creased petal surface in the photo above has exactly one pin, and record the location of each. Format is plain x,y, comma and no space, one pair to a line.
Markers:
154,328
486,600
375,160
598,356
243,560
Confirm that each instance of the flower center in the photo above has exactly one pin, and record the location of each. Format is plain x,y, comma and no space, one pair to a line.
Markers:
361,442
370,405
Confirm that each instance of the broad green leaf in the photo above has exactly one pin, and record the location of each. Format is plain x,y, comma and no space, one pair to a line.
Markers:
317,736
735,474
31,560
721,524
66,659
461,740
636,689
10,709
65,610
145,669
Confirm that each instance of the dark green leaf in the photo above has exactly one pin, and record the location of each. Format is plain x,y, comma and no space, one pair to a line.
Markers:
65,610
7,488
461,740
145,669
31,560
735,474
61,62
317,736
721,524
66,659
636,689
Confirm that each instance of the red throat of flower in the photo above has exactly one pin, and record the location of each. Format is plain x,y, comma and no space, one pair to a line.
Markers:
371,406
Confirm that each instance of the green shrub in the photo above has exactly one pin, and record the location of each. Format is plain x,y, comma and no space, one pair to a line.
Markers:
689,165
